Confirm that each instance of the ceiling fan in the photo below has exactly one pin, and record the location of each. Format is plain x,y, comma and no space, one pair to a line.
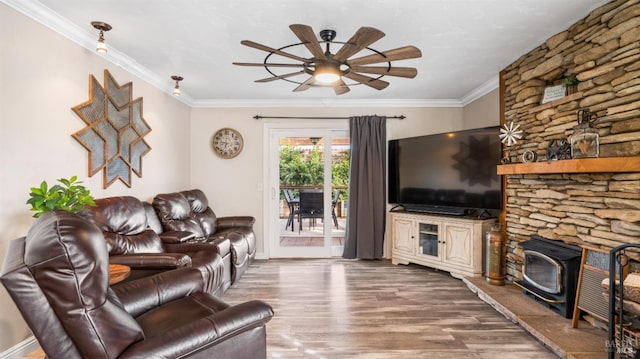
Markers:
328,69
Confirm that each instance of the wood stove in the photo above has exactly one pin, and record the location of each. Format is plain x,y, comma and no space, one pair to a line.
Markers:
550,273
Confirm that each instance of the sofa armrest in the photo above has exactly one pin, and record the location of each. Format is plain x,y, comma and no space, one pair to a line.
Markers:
247,315
235,221
152,260
223,244
141,295
190,247
176,236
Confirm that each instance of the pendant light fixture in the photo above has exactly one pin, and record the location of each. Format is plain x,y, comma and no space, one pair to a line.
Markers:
176,88
102,26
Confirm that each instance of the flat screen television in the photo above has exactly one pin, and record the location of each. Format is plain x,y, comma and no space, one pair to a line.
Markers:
448,173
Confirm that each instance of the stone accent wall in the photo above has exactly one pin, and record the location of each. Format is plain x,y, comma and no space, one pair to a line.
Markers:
603,210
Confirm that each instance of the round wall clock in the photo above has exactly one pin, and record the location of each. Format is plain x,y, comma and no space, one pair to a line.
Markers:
227,142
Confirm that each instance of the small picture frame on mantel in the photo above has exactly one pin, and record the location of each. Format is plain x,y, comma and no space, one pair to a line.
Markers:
553,93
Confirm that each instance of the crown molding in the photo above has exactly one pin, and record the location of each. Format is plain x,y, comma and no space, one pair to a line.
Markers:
52,20
326,102
481,90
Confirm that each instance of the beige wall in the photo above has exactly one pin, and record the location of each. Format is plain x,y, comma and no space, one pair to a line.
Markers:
483,112
43,75
233,186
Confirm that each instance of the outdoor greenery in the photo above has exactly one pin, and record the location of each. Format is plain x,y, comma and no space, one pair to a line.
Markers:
304,168
70,196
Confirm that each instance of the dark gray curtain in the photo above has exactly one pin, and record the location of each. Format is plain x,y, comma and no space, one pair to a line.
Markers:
364,238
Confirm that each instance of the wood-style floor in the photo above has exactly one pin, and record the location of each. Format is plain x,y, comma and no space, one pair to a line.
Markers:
334,308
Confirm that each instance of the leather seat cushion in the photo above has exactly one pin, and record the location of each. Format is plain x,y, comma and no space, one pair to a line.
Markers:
158,321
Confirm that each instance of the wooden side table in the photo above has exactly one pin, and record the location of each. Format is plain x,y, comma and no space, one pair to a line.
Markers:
118,273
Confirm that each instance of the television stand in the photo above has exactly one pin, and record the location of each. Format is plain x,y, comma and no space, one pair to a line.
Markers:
449,243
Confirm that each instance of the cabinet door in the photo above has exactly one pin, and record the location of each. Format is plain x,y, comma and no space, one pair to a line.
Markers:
403,237
458,244
428,240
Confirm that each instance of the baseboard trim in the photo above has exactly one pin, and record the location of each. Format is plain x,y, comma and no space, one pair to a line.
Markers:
21,349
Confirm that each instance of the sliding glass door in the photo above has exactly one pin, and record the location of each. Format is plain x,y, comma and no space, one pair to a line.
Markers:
308,178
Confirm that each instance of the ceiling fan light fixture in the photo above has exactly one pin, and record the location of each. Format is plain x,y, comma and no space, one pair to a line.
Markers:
102,26
327,74
176,88
327,69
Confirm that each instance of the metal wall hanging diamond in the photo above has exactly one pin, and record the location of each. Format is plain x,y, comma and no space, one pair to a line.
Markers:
114,132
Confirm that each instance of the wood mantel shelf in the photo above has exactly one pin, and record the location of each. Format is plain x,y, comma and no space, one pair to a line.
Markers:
580,165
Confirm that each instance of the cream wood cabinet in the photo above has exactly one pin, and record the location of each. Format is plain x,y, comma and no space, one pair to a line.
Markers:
452,244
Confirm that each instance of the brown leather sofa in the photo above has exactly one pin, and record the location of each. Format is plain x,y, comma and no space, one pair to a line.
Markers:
190,211
124,223
58,277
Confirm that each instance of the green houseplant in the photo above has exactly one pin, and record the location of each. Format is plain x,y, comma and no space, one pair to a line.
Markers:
70,195
571,83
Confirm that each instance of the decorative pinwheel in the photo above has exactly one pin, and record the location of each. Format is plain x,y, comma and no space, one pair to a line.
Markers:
510,133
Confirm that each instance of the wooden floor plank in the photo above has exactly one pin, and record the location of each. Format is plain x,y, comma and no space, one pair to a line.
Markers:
334,308
351,309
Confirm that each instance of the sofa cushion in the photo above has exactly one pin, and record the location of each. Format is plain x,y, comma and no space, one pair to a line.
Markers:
123,221
174,212
201,211
152,218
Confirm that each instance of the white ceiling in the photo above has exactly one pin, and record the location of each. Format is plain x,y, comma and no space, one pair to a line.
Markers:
465,43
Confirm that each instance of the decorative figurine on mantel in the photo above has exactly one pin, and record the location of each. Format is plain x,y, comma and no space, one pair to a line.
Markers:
558,149
585,141
509,135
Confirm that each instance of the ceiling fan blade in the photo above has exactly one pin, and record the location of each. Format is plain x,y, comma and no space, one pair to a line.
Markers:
305,85
309,39
266,65
409,72
280,77
366,80
339,87
401,53
255,45
364,37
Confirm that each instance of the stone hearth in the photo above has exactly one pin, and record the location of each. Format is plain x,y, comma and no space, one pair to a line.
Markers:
554,331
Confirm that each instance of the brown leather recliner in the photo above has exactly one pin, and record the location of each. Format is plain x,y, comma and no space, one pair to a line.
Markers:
58,277
190,211
123,221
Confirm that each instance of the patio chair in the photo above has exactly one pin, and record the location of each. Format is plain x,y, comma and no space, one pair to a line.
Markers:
293,203
311,206
333,207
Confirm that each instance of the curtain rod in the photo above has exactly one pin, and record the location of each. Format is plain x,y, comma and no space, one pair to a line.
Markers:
258,117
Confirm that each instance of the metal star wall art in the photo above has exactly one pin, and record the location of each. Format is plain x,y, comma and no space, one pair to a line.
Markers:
114,132
509,134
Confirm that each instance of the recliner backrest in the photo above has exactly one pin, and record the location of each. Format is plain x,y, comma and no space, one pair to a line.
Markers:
201,211
123,221
152,218
174,212
67,265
